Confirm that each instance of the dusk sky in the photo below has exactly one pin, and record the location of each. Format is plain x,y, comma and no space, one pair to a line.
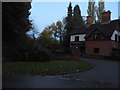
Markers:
46,13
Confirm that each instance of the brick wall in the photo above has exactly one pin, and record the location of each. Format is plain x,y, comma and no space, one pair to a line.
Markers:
105,47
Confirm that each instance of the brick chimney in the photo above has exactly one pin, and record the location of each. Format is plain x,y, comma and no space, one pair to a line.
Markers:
89,20
106,17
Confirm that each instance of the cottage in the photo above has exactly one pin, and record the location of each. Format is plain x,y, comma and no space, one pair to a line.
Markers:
101,39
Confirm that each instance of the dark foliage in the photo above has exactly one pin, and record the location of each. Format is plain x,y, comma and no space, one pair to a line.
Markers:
77,18
14,20
69,28
69,21
73,20
16,45
37,52
15,24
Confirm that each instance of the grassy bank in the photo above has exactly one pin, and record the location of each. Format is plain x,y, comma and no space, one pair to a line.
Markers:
45,68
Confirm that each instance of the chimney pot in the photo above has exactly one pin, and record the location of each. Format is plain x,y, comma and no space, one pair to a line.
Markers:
89,20
106,17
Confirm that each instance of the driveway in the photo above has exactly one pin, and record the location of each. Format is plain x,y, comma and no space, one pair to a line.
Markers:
103,75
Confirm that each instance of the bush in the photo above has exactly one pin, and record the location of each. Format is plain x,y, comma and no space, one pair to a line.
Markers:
38,53
30,50
33,51
9,54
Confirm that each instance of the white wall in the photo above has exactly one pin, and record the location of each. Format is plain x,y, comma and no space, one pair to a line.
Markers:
113,35
81,37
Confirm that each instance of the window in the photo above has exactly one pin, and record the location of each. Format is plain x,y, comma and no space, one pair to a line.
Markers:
76,38
96,50
115,37
119,39
96,36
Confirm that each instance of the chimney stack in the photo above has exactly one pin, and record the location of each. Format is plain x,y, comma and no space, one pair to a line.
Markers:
89,20
106,17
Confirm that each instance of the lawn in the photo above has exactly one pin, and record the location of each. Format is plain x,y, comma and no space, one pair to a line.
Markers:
45,68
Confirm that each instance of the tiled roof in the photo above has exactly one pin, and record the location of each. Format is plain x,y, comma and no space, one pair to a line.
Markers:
81,30
107,29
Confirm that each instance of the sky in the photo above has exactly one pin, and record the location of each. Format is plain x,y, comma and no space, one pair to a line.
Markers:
44,14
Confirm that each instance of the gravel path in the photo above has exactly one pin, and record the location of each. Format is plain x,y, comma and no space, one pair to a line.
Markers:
103,75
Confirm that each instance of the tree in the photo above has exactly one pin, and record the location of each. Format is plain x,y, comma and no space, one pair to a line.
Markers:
69,21
91,10
15,24
46,39
100,10
77,18
17,46
60,30
33,32
52,37
54,30
15,17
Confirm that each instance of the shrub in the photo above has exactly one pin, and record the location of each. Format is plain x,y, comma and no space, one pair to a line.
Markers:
30,50
38,53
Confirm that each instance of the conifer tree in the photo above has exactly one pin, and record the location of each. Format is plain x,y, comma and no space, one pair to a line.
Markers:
15,24
69,19
77,18
68,28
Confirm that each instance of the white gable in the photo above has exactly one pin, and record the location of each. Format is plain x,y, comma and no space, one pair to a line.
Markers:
81,37
114,33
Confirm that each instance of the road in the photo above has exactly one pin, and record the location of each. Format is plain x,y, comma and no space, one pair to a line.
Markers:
103,75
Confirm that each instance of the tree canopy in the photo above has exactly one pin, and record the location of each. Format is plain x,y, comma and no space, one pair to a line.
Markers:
16,45
100,10
92,10
15,20
69,21
77,18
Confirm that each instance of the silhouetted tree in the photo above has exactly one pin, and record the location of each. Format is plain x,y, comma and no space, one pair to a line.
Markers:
68,28
15,20
77,18
69,21
15,24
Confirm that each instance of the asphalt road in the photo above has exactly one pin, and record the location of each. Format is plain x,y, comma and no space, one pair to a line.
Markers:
103,75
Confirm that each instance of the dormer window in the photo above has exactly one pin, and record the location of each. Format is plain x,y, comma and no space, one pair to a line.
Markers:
96,36
76,38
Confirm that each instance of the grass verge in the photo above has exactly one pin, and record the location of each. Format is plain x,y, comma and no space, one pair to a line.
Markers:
45,68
